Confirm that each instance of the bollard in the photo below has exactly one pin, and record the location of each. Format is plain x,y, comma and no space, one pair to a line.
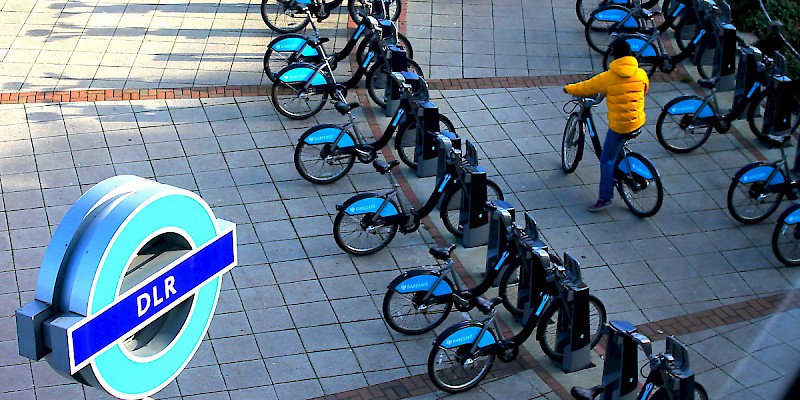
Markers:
533,273
620,367
747,74
574,338
784,105
398,62
725,60
426,152
499,221
446,163
476,227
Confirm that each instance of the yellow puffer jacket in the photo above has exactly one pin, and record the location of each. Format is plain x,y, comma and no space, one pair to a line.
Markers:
624,85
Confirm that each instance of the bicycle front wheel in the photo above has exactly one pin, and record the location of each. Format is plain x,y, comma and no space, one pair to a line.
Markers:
279,16
749,200
509,290
358,235
296,102
408,314
450,211
599,34
639,185
456,369
354,7
406,138
320,164
378,76
761,114
572,143
548,326
686,29
679,133
661,393
705,54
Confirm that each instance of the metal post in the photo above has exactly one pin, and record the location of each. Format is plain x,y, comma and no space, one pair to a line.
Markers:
746,73
448,142
426,152
398,62
620,368
726,59
473,212
499,220
575,333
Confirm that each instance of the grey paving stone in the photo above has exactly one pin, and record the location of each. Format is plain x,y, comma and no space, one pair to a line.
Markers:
245,374
289,368
200,380
355,309
239,348
378,357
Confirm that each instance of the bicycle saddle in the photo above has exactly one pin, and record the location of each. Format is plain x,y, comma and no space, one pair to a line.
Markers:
383,167
586,394
708,83
314,41
777,142
344,108
485,306
442,253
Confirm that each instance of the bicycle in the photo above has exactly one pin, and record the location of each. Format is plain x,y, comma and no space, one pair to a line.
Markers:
289,16
650,52
464,353
758,188
606,22
419,300
302,89
634,173
367,222
786,236
325,153
292,48
667,370
584,8
686,122
358,8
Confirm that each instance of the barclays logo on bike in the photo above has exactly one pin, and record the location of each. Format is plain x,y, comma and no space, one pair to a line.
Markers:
413,286
313,139
354,209
459,340
683,109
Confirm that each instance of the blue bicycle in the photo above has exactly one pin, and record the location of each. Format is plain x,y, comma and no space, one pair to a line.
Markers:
636,179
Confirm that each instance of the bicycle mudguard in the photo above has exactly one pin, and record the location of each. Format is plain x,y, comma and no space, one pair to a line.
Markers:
327,133
637,166
364,203
615,14
638,43
301,72
759,173
688,105
420,280
292,42
791,215
464,333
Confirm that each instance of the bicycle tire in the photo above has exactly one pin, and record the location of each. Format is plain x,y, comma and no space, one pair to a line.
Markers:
661,394
786,238
375,89
648,64
585,8
453,355
395,321
745,199
508,290
569,142
705,53
306,154
548,326
342,238
631,189
672,136
450,210
598,34
287,99
761,105
395,8
405,141
362,49
273,14
685,30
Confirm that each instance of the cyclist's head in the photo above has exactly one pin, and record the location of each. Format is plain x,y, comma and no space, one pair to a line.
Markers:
621,49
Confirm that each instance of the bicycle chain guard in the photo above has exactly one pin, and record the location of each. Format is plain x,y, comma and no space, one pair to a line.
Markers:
410,226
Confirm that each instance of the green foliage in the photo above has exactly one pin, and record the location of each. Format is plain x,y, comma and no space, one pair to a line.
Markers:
747,16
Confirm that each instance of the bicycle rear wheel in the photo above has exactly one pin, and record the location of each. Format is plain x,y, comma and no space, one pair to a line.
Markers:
356,235
750,202
509,290
677,132
294,101
356,6
456,370
686,29
572,143
547,332
280,18
705,54
318,163
406,313
640,188
450,211
599,33
406,138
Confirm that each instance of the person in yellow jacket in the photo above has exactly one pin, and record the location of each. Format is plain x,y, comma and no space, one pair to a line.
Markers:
624,85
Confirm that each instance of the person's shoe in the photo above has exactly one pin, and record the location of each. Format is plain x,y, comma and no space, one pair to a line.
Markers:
600,205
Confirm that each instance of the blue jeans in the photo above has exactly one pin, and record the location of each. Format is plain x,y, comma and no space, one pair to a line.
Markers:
612,146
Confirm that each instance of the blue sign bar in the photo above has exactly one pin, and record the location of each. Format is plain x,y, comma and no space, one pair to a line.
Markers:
154,297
